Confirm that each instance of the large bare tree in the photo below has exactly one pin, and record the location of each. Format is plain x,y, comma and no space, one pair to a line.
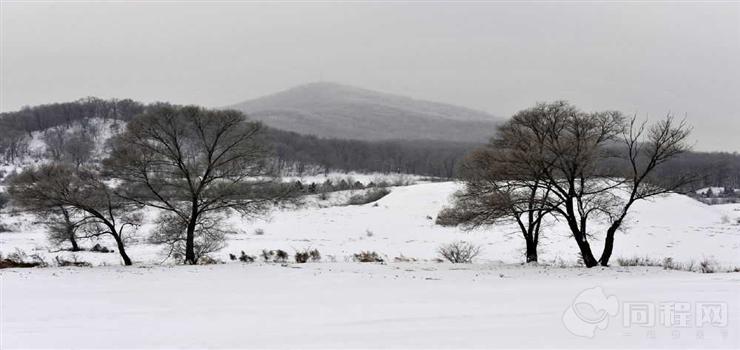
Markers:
192,162
564,152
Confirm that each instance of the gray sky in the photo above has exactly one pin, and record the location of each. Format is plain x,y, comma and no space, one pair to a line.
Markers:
644,58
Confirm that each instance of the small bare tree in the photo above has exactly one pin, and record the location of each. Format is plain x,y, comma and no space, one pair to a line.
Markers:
55,138
459,252
63,225
13,142
77,149
191,162
82,192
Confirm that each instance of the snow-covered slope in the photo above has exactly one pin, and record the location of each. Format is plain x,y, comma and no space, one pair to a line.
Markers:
100,131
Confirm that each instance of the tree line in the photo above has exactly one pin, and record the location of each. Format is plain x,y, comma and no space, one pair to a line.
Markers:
290,151
298,153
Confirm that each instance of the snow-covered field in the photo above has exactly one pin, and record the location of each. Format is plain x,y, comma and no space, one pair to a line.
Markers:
338,303
402,224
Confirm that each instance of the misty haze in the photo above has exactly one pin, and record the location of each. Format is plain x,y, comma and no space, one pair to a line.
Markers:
239,174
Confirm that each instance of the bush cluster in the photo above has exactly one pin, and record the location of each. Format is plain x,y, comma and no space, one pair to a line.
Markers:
459,252
307,255
370,196
368,257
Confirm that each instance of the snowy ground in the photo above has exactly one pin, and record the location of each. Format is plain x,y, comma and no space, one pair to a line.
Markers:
339,305
402,224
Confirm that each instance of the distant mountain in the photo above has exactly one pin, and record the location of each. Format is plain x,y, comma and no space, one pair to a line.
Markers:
340,111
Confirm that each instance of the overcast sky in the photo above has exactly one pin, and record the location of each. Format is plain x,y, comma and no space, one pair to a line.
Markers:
648,59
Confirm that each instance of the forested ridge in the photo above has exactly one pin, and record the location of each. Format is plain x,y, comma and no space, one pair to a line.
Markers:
292,151
298,153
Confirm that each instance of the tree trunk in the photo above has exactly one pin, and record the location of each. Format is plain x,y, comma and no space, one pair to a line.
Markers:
609,243
586,254
579,235
70,227
73,240
122,249
190,257
531,251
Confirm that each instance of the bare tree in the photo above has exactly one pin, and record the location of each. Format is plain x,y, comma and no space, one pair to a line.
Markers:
546,162
499,188
55,139
63,225
563,152
78,148
13,143
82,192
191,162
573,146
647,149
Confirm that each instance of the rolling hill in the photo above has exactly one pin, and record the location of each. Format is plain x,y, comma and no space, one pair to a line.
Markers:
340,111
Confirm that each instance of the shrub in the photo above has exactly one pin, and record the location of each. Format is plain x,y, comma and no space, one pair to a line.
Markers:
459,252
4,199
19,259
669,264
208,260
281,256
278,256
259,232
301,257
639,261
369,196
267,255
17,255
8,264
403,258
99,248
707,266
402,180
315,255
368,256
61,262
307,255
245,258
453,217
